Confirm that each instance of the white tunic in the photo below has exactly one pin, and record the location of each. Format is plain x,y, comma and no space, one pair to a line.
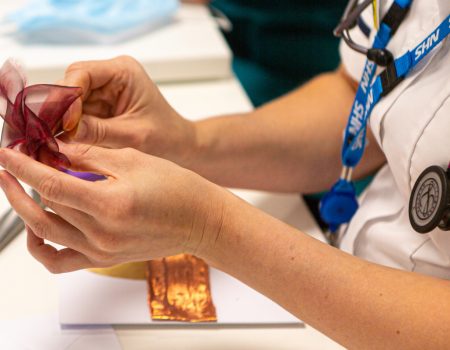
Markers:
412,127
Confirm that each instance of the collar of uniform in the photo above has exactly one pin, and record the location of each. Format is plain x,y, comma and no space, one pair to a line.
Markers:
423,18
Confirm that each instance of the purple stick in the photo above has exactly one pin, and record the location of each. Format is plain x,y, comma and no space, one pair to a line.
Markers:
85,176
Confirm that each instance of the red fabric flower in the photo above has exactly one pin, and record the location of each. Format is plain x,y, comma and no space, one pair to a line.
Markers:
33,115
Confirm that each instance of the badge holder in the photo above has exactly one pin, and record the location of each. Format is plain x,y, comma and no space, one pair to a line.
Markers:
429,204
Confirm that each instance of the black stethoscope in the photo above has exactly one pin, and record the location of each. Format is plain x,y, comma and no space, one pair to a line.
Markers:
429,204
349,20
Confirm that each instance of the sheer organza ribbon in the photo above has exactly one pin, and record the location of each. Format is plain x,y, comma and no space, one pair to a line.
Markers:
33,115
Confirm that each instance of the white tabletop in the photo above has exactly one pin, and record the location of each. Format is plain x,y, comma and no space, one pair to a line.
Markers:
189,48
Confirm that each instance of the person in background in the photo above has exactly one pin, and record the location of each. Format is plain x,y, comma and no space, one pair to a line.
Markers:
279,45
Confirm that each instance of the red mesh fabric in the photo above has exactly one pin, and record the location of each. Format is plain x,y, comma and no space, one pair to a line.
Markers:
33,115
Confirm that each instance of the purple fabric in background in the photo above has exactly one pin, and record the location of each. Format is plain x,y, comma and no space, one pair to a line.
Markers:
33,115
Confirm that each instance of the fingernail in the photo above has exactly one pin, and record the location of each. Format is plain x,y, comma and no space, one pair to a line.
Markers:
71,117
68,124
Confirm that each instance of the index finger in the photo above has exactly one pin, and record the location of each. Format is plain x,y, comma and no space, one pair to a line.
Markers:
50,183
89,75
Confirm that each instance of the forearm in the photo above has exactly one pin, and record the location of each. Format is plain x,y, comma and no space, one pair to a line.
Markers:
359,304
284,145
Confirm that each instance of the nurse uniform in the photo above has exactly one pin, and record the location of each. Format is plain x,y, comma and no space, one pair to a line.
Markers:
412,127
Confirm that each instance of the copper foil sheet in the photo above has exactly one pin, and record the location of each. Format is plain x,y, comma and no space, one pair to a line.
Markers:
179,289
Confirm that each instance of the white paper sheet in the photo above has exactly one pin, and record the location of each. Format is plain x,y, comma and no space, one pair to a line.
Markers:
88,298
45,333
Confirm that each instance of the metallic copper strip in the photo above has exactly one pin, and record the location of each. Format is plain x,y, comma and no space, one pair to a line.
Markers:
179,289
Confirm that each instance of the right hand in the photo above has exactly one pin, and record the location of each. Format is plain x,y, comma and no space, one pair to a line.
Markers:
121,107
147,208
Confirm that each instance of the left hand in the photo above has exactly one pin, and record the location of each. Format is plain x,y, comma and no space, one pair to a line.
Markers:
146,208
121,107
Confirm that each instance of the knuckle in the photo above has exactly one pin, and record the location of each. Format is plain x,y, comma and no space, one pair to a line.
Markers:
126,59
74,66
99,133
40,229
129,153
101,257
32,249
129,65
53,267
106,244
51,188
18,167
127,207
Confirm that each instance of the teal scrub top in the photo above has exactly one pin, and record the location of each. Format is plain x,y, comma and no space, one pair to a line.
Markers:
279,44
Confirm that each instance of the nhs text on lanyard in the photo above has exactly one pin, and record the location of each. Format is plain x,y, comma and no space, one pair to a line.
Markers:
340,204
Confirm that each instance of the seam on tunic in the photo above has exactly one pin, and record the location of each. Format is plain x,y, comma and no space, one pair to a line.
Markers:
411,257
438,109
416,75
427,62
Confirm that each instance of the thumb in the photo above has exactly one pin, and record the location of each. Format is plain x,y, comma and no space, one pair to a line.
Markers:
110,132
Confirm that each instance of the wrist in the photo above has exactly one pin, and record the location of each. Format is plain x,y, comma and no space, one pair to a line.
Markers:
184,152
209,215
172,138
213,141
191,149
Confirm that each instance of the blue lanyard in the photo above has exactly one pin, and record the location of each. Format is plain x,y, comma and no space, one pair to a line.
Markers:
340,204
394,73
358,116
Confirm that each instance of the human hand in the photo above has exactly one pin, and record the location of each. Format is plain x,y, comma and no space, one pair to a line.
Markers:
121,107
146,208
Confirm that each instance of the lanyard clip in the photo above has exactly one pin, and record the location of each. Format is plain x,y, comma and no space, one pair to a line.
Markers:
390,79
347,173
340,204
381,57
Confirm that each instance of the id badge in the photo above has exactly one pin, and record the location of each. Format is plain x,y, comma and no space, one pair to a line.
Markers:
376,7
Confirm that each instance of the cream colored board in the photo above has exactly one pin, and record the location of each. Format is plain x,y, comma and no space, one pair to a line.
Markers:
199,100
188,48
